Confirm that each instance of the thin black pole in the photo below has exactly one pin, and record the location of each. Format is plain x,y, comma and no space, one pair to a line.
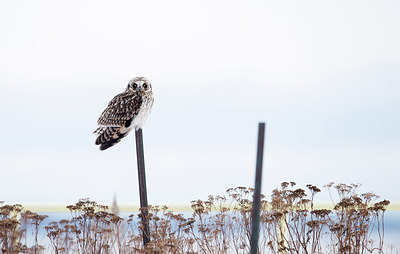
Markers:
255,212
142,186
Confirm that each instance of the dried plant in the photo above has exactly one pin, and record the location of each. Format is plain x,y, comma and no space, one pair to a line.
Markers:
13,231
9,228
221,224
355,218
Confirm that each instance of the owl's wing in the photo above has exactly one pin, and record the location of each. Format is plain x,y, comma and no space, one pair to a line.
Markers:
120,109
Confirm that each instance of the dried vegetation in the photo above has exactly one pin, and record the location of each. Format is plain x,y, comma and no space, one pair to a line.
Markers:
290,223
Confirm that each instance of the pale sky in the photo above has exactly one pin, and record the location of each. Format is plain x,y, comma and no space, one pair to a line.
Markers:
324,75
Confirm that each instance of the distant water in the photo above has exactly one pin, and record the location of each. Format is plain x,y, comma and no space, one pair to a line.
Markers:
392,226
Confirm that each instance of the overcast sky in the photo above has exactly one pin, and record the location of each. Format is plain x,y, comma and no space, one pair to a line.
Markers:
324,75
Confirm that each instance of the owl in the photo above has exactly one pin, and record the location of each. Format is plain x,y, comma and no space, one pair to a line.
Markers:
126,111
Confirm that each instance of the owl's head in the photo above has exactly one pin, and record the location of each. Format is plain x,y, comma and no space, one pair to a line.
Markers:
139,84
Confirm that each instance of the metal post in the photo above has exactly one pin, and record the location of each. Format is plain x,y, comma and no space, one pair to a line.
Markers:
255,212
142,186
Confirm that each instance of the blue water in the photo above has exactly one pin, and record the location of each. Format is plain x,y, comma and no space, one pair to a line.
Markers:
392,228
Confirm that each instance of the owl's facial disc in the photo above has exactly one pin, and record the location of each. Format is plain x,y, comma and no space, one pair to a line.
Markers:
139,84
142,85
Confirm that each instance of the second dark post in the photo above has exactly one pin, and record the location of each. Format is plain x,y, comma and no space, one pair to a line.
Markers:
255,212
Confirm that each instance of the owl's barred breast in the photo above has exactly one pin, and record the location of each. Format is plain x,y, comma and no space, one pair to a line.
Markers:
144,112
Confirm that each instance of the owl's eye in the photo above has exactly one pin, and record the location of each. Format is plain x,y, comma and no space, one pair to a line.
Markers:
134,85
144,85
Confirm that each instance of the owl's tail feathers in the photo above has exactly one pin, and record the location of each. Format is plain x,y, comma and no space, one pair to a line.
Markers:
111,142
108,136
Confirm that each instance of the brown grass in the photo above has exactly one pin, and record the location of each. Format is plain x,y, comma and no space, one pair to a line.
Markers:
221,224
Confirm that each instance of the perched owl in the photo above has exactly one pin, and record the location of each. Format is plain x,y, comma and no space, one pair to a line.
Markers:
126,111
